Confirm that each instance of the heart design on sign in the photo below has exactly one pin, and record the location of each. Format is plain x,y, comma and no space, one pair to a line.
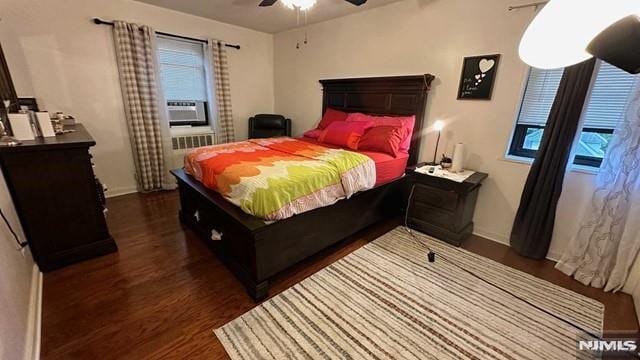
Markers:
486,65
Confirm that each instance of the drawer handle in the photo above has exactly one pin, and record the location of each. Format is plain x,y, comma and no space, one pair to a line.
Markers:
196,215
215,235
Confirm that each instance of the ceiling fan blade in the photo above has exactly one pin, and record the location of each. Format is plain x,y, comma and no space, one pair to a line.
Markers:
356,2
268,2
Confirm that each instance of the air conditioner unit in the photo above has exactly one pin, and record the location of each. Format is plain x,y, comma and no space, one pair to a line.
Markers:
191,112
182,143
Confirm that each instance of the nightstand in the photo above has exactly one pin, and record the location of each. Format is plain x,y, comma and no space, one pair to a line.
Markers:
441,207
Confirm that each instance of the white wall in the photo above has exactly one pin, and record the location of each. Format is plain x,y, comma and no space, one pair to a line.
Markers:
18,285
55,53
432,36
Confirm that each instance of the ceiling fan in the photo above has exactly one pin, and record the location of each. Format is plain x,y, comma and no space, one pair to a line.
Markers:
271,2
302,7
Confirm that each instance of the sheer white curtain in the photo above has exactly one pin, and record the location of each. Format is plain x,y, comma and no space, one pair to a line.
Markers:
605,247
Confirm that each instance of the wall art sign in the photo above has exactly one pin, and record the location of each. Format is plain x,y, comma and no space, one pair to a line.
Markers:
478,75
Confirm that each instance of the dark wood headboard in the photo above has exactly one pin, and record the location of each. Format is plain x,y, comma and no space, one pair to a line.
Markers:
393,96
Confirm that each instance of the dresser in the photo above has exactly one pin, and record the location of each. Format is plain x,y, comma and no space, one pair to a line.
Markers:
441,207
58,199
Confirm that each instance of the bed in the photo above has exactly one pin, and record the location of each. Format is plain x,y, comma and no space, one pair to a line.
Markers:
254,249
387,167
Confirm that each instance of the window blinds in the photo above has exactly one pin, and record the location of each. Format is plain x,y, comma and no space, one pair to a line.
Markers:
610,95
606,106
182,69
539,94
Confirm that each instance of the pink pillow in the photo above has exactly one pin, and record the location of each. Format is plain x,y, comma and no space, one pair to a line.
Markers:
406,122
330,116
343,133
384,139
313,134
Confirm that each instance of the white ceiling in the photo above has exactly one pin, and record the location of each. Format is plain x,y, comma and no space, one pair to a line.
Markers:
273,19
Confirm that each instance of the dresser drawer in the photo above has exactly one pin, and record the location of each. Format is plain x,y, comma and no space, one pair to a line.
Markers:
438,198
433,215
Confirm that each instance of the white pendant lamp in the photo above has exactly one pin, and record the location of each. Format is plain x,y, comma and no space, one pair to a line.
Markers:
558,36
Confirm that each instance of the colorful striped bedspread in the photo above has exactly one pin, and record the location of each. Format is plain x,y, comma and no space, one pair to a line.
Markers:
277,178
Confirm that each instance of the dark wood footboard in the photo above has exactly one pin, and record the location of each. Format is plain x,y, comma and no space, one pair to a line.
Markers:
255,250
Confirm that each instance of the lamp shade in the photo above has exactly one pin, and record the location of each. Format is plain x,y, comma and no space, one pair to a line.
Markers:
619,44
438,125
558,36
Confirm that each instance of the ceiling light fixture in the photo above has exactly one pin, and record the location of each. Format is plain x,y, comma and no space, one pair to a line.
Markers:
561,32
302,5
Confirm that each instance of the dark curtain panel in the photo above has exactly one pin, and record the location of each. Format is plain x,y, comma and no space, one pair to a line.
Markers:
533,225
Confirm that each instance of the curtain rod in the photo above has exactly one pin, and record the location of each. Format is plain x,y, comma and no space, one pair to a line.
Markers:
534,4
99,21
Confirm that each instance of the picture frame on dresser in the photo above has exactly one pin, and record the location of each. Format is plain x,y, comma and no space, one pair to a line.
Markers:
7,92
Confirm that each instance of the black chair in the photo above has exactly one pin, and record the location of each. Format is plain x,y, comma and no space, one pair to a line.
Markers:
269,125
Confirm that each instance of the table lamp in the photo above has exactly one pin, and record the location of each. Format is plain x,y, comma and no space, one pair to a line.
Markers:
438,125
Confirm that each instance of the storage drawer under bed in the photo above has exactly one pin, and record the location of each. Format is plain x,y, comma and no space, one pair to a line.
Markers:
216,226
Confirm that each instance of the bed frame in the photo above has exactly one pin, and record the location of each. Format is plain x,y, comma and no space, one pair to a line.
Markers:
256,250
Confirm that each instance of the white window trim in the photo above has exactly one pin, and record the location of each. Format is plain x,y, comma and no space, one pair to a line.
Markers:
514,122
525,161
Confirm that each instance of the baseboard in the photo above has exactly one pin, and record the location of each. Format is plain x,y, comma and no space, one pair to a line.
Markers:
493,236
504,240
120,191
32,343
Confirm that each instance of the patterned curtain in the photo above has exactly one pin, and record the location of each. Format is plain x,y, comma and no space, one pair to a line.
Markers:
218,62
605,247
136,55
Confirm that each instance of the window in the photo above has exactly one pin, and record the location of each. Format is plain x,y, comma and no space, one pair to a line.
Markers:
606,106
182,69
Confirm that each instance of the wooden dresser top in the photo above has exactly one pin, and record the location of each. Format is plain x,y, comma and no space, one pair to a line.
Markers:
79,138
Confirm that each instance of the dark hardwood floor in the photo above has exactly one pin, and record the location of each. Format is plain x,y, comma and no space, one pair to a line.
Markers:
162,294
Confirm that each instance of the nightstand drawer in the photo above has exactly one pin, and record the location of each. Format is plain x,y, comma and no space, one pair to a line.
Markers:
431,214
442,199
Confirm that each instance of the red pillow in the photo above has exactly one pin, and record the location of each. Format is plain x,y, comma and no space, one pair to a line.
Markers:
343,133
330,116
313,134
406,122
385,139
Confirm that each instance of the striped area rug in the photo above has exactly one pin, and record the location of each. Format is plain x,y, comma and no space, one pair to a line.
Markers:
385,301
